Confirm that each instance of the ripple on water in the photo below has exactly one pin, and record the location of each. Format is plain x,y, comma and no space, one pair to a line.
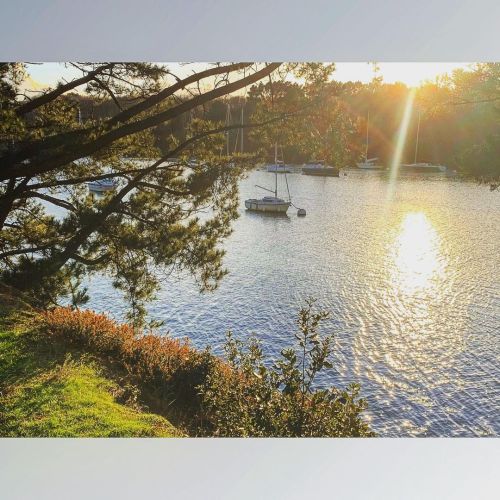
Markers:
411,283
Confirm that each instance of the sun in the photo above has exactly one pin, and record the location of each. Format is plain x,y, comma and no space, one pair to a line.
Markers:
412,74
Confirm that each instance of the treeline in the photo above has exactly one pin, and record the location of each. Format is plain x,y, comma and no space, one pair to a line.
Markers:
459,126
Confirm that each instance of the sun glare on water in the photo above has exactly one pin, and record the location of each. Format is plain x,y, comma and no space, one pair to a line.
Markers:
416,255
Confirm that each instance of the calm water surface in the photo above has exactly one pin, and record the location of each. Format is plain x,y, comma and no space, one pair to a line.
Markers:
409,272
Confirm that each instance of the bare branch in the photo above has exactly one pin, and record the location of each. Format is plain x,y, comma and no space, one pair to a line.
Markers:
109,92
20,251
164,189
91,262
55,201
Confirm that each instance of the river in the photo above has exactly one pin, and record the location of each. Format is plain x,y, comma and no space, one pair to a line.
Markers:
409,271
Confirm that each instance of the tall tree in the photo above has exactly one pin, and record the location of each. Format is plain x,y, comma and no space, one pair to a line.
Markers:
54,232
170,209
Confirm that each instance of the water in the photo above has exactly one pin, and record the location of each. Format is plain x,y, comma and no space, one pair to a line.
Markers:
409,272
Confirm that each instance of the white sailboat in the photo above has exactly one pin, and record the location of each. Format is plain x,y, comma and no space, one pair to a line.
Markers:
270,204
369,163
278,166
102,185
419,166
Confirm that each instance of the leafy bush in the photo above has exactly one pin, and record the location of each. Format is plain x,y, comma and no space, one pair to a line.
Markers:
248,398
239,396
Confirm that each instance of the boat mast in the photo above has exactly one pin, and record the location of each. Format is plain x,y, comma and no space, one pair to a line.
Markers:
367,126
416,141
228,119
276,170
242,107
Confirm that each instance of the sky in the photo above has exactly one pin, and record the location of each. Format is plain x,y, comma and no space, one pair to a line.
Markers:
413,74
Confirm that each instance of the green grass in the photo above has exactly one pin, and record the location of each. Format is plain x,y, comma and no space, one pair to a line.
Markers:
48,391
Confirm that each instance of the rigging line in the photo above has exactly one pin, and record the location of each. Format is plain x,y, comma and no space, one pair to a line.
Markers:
287,188
228,122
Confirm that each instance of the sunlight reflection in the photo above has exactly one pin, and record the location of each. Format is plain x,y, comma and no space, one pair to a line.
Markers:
417,259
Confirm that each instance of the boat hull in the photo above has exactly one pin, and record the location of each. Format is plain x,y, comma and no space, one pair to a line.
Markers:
280,169
368,166
321,172
422,168
265,206
100,188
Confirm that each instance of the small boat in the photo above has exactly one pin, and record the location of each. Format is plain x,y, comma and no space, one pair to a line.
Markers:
369,163
270,204
267,204
279,167
102,185
421,167
318,167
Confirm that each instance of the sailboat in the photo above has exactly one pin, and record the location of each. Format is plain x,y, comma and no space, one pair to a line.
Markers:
279,166
270,204
421,167
369,163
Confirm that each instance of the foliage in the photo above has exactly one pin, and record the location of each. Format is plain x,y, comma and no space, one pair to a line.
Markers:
163,217
171,368
240,396
249,398
459,118
323,129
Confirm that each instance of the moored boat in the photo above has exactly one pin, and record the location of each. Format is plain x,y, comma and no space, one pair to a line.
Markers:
279,167
318,167
421,167
101,185
268,204
370,164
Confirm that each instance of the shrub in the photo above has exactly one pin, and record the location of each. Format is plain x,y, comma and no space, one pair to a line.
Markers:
169,367
87,329
249,398
239,396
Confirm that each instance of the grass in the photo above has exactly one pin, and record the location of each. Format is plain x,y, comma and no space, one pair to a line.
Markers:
51,391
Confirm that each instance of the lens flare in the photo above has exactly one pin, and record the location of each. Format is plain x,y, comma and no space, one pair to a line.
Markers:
400,142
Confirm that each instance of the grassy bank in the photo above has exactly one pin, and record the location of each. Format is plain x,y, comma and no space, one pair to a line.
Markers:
67,372
54,390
